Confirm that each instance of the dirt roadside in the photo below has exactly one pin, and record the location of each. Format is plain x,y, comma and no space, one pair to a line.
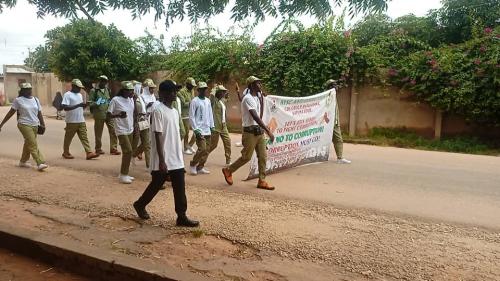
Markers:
246,237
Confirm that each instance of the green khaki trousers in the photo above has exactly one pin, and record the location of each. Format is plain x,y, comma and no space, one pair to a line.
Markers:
145,146
226,141
201,155
187,127
252,143
81,130
99,127
30,145
338,143
126,146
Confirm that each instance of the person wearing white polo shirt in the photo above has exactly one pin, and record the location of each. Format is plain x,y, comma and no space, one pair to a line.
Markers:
30,123
73,104
202,121
121,109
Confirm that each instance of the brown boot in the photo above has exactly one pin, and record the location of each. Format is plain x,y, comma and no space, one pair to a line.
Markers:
264,185
228,176
115,152
91,155
99,151
67,156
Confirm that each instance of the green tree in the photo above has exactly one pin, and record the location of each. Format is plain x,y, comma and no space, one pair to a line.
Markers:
38,59
459,17
200,9
370,28
85,49
151,51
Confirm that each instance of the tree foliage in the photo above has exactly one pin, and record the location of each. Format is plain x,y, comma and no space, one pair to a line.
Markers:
200,9
85,49
38,59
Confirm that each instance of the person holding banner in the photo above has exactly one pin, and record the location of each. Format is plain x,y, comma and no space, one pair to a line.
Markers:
338,143
253,139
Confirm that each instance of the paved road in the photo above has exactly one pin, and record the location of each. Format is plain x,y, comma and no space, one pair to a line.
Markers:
446,187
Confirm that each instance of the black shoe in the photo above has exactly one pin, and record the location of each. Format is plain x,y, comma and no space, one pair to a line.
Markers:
185,221
141,212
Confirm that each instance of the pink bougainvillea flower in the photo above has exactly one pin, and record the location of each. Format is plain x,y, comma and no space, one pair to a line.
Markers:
347,33
392,72
482,49
477,61
413,82
488,30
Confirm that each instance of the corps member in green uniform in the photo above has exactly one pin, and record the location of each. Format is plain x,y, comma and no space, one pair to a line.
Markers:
185,95
337,134
29,119
253,133
99,101
219,110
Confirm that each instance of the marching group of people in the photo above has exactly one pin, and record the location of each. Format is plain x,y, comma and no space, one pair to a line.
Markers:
154,123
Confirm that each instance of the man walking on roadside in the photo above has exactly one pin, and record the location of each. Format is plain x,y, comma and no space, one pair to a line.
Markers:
253,134
338,143
220,117
186,94
75,121
166,156
99,101
202,121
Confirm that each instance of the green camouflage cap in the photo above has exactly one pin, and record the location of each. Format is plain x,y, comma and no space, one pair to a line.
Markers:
220,88
252,79
25,86
202,85
191,81
127,85
134,82
103,77
149,83
330,82
77,82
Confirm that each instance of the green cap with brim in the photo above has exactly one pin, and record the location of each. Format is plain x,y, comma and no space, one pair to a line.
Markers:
329,82
127,85
202,85
77,82
220,88
149,84
252,79
191,81
103,77
25,86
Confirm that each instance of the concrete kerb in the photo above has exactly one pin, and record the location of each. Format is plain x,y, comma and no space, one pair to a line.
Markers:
88,261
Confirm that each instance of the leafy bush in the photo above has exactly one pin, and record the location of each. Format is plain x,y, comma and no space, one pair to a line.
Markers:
462,79
297,63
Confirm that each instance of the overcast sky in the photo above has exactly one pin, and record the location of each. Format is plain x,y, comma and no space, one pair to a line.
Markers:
20,29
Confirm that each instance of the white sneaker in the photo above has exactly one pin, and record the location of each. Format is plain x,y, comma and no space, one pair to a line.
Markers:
42,167
125,179
238,144
343,161
203,171
25,164
228,164
131,178
193,170
188,151
193,150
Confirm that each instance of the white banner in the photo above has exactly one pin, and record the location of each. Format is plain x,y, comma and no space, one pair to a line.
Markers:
303,130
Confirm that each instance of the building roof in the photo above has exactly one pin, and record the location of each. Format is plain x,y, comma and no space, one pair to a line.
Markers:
17,69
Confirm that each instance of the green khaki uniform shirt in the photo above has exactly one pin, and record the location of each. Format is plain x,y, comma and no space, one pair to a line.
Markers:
217,113
185,96
99,102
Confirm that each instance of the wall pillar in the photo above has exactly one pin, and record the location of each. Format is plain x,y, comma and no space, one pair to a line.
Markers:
438,123
353,112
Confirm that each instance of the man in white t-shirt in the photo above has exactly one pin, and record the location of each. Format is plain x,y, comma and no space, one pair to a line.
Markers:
121,110
253,134
166,156
202,121
73,104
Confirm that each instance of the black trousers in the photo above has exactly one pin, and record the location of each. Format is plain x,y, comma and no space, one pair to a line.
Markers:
178,186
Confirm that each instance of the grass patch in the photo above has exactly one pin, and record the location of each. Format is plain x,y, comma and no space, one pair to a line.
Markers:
197,233
405,138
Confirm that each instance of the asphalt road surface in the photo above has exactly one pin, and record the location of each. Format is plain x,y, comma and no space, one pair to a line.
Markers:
439,186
